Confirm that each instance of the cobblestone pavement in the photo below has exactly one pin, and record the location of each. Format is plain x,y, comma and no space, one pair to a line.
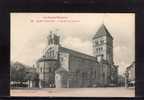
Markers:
76,92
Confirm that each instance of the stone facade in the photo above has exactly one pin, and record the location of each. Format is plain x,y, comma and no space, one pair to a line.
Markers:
61,67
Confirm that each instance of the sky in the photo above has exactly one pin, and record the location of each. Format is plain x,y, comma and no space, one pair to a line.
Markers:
29,34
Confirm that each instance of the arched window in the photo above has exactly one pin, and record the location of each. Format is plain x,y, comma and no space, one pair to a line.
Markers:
96,42
102,41
101,48
41,69
97,50
95,73
77,74
50,69
53,53
83,76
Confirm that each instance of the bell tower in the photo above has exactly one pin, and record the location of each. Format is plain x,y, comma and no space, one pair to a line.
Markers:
53,38
103,45
53,43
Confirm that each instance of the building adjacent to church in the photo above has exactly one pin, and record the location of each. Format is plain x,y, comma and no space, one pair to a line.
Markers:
130,75
61,67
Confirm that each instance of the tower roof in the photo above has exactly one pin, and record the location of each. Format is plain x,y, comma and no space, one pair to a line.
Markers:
102,31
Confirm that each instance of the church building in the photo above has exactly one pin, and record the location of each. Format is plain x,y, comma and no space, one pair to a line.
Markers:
61,67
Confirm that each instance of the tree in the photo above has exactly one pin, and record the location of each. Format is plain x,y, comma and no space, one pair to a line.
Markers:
23,73
12,72
18,72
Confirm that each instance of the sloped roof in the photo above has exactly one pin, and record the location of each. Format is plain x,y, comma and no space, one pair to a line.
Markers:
102,31
61,69
77,54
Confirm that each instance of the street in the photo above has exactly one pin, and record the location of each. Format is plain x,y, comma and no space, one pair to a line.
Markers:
76,92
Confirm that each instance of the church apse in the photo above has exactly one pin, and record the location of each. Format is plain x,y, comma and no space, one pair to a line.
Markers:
48,63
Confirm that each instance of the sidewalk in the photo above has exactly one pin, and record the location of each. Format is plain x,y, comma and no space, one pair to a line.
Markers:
76,92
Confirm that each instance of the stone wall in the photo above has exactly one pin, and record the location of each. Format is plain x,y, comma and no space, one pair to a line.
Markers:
83,72
46,70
